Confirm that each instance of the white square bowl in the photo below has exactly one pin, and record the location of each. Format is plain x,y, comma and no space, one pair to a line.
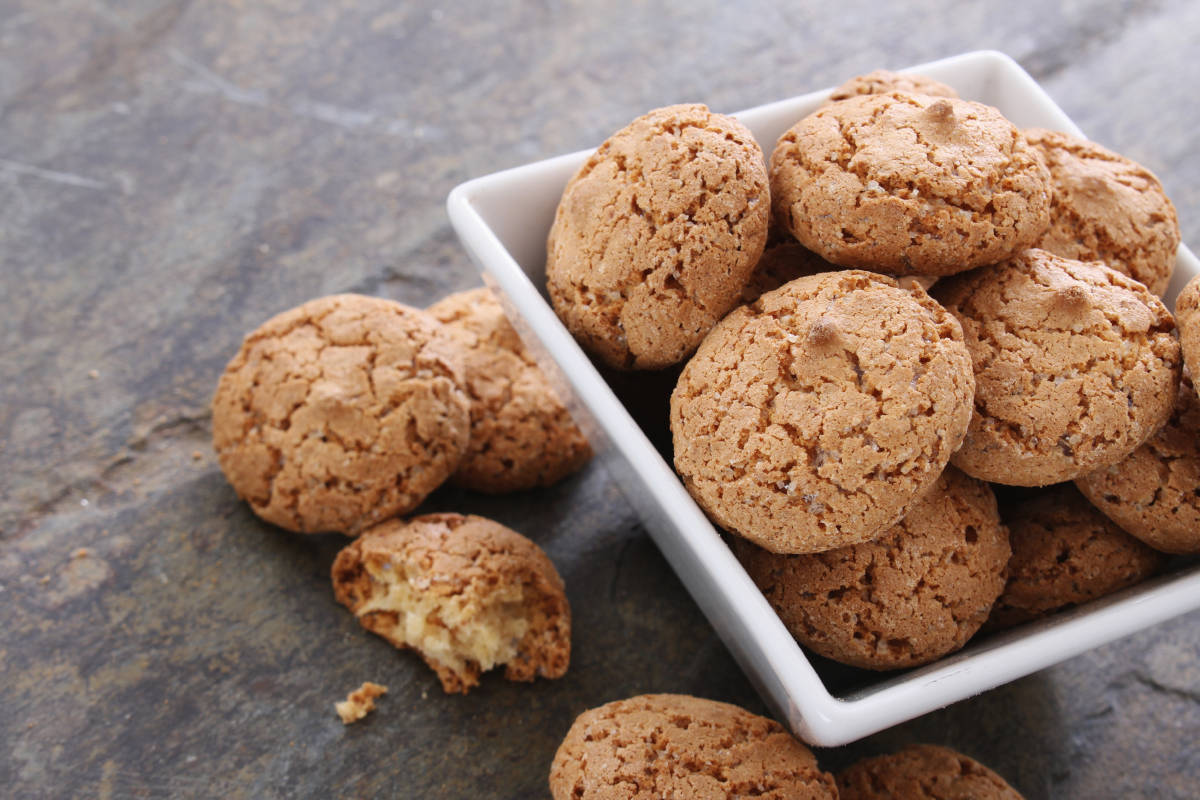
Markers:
503,220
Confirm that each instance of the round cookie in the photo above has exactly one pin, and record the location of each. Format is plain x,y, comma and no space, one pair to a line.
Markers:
923,772
782,262
521,435
1075,367
882,81
341,412
813,418
918,592
909,184
465,592
1107,208
656,235
670,745
1187,316
1153,493
1064,553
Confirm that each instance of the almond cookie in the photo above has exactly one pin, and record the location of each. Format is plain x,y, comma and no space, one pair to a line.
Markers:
814,417
340,413
657,234
923,772
521,435
882,81
1075,367
465,592
1065,552
909,184
918,592
1153,494
1187,315
672,745
1107,208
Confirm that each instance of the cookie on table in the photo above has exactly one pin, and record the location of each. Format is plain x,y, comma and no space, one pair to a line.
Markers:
813,418
521,435
340,413
1152,494
466,593
1187,316
911,596
1107,208
671,745
1075,367
657,234
882,81
923,772
909,184
1064,553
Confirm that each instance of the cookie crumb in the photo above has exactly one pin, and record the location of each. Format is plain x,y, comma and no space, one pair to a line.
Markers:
197,455
941,111
82,552
360,702
93,374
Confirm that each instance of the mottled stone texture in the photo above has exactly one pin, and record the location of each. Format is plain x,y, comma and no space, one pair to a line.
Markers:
173,173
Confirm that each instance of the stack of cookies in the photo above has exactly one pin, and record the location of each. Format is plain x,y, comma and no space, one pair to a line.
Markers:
914,301
343,414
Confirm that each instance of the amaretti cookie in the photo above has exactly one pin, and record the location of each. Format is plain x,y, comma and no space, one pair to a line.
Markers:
670,745
657,234
923,772
909,184
1154,494
1064,553
813,418
781,262
465,592
881,81
918,592
1107,208
521,435
1075,367
1187,316
341,413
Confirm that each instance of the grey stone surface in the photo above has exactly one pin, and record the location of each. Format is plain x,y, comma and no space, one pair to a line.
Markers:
172,173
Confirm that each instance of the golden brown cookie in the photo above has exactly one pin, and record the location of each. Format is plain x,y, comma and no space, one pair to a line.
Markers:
1187,316
913,595
340,413
656,235
521,435
882,81
1075,367
1107,208
672,745
465,592
1065,552
923,772
1155,493
813,418
909,184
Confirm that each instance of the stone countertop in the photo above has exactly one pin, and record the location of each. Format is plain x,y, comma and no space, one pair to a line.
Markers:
173,173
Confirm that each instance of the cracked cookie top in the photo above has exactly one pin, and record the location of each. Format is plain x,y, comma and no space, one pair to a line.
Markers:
923,772
814,417
672,745
340,413
521,435
909,184
918,592
1187,316
1107,208
882,81
656,235
1064,553
1075,367
1153,494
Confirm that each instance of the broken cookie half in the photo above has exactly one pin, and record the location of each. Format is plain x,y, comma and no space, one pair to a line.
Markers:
465,592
